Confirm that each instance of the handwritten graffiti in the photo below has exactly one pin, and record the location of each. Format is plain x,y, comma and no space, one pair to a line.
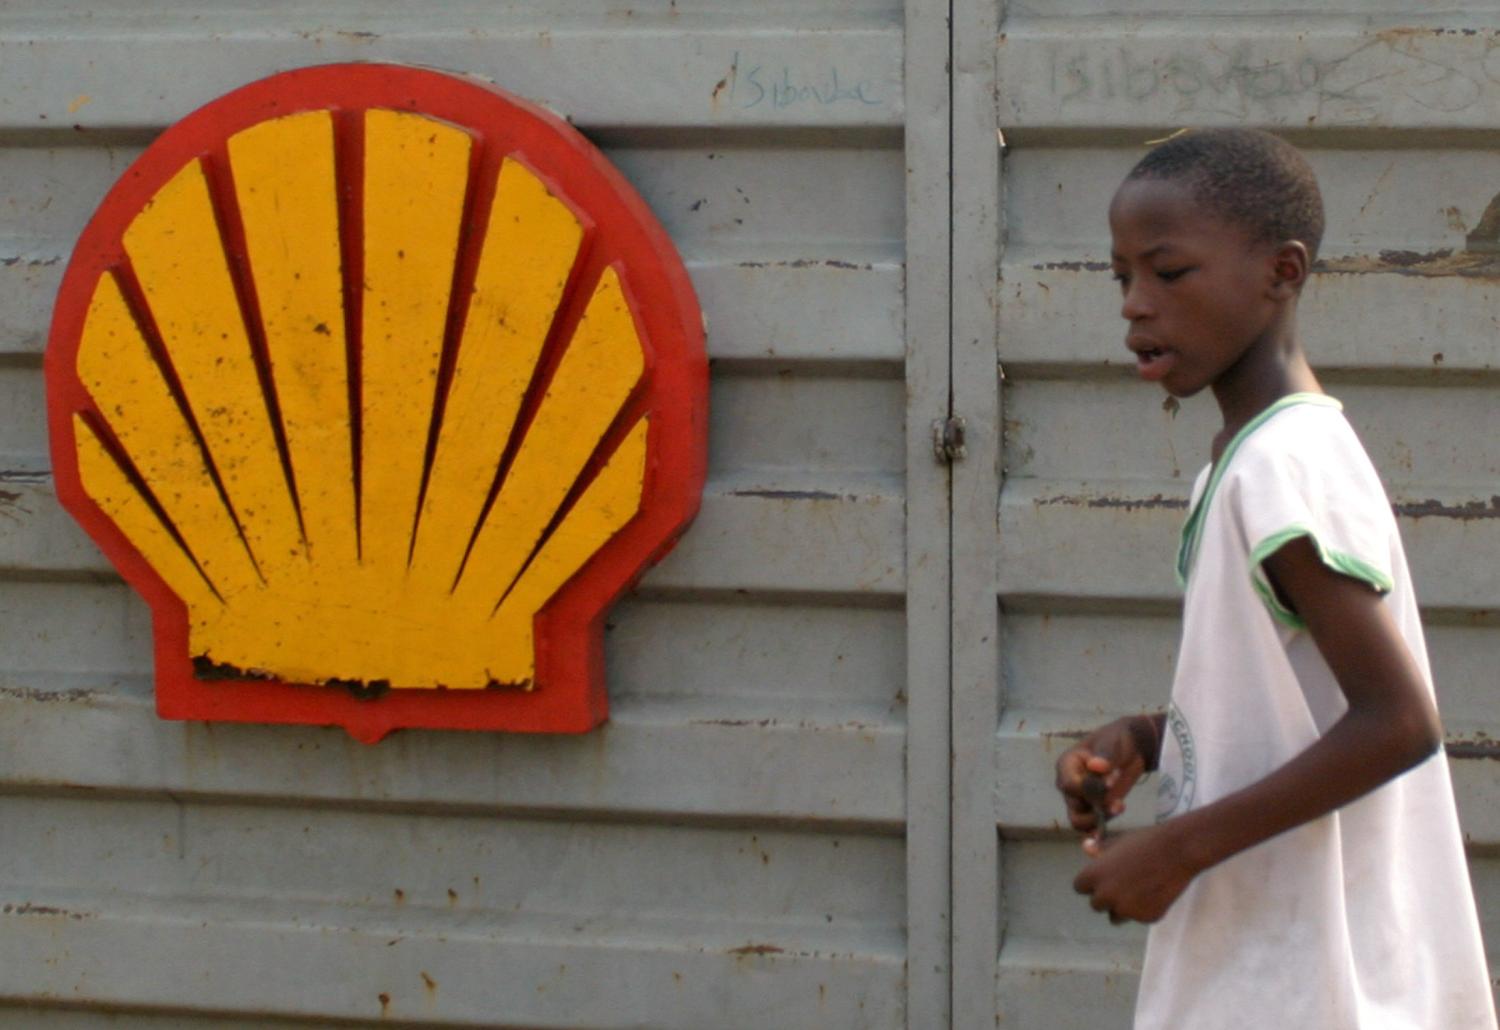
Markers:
1357,83
781,86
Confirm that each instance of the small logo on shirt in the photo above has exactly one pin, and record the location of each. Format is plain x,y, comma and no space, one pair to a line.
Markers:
1179,777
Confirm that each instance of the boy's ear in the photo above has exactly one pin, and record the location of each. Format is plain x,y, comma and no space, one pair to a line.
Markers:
1290,265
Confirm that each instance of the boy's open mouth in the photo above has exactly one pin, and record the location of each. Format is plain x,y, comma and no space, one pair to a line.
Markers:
1153,363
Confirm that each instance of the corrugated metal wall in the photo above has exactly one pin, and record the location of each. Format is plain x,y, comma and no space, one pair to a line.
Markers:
1397,107
761,836
732,849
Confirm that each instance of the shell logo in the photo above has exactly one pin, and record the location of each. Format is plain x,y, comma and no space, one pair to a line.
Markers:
380,385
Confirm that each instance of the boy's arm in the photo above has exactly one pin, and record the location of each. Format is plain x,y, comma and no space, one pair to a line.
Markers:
1390,726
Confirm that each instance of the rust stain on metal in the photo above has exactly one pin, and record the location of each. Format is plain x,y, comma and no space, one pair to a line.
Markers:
1467,511
32,694
205,668
1398,33
361,689
1072,266
809,263
1155,501
12,505
1049,739
28,909
1480,747
1478,262
866,730
792,495
757,949
428,982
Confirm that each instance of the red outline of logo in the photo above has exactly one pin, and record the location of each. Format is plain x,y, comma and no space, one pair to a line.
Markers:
620,230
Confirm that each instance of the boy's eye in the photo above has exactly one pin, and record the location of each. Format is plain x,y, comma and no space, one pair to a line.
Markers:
1122,279
1168,275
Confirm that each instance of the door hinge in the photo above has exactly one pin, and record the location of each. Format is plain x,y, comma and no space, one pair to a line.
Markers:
948,439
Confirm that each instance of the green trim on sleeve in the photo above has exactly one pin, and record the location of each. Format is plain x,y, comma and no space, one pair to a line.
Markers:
1339,561
1192,529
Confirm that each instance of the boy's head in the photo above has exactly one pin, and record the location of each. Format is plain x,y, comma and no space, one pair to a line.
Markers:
1214,232
1246,177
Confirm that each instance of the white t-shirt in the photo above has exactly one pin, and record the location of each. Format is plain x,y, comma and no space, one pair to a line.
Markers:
1363,918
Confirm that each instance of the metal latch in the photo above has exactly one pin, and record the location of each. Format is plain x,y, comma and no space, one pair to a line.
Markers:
948,439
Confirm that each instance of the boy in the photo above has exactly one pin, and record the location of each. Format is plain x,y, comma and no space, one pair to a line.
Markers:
1306,869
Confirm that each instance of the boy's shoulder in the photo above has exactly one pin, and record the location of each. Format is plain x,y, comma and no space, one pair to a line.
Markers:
1308,433
1307,454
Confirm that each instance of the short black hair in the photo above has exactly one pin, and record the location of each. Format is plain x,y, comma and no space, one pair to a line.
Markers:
1245,176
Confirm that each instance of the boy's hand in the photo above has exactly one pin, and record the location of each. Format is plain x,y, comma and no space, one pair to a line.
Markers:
1097,773
1135,875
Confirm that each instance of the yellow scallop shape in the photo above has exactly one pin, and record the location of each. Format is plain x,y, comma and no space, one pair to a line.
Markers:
530,245
116,366
336,508
178,256
286,187
416,174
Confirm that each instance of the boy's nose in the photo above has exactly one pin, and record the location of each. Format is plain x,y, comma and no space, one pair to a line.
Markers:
1135,304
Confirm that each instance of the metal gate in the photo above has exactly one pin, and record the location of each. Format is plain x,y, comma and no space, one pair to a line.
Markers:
1065,608
823,798
759,836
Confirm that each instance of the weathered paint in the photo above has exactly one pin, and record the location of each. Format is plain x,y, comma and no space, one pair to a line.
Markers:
416,173
594,387
177,256
751,788
1399,319
285,184
529,249
108,484
135,401
600,512
762,677
596,374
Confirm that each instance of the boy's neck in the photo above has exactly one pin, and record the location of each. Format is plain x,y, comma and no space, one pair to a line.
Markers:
1274,368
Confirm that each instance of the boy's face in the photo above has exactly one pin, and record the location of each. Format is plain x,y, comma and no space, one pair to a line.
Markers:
1197,289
